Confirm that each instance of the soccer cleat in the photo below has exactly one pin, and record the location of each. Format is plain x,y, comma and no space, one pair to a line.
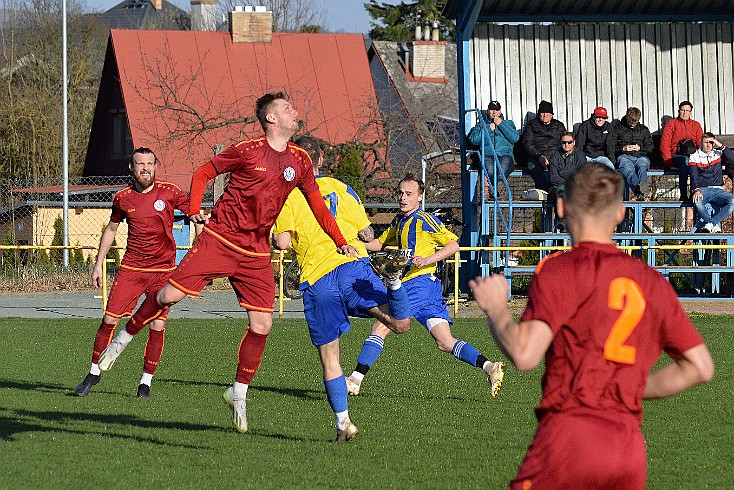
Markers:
108,356
353,386
716,229
708,227
239,410
83,388
390,264
143,391
496,376
347,434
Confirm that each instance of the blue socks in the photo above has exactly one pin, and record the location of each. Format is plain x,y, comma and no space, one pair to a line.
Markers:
466,352
398,301
371,350
336,393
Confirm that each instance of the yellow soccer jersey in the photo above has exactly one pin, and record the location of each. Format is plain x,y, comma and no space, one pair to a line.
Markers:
421,232
314,249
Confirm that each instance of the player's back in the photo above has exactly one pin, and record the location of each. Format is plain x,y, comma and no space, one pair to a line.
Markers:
611,315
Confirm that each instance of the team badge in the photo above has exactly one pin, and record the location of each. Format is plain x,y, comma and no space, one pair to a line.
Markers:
289,174
159,205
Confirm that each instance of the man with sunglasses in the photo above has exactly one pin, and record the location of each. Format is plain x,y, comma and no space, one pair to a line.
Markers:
562,164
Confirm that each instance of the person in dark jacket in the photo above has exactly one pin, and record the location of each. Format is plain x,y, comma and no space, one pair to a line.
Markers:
596,139
633,145
501,136
707,182
561,165
542,136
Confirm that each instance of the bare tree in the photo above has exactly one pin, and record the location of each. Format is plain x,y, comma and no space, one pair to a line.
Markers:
288,15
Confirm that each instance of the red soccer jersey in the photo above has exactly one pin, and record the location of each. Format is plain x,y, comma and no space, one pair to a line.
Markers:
149,216
611,316
260,180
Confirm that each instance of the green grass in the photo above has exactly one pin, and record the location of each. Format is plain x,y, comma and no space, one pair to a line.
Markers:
426,420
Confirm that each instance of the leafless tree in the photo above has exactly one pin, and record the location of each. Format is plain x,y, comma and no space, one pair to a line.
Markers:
288,15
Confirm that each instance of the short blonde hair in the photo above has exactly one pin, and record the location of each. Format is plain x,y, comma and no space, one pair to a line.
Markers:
594,188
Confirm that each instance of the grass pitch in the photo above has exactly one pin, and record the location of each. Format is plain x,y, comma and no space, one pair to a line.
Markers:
426,419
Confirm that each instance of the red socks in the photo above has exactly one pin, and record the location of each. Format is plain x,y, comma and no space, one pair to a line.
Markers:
250,356
153,350
148,311
102,340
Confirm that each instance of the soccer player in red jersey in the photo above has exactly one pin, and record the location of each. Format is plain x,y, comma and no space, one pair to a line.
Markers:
147,206
601,318
235,242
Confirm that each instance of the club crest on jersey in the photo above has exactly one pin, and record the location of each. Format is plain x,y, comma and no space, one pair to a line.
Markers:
159,205
289,174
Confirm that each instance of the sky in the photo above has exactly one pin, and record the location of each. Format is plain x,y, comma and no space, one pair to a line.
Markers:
340,15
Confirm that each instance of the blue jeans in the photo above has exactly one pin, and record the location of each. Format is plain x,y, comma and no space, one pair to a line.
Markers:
721,201
634,170
680,163
601,159
507,163
540,175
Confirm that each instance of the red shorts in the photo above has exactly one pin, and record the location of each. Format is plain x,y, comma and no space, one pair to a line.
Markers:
584,449
251,276
127,288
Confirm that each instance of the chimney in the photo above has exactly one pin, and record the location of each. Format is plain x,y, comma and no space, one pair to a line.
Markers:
427,61
204,15
250,25
158,4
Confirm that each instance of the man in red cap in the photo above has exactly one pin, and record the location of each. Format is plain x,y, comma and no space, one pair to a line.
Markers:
594,137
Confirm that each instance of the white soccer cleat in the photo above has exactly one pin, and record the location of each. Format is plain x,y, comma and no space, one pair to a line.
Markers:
496,376
390,264
347,434
716,229
108,356
353,386
239,410
708,227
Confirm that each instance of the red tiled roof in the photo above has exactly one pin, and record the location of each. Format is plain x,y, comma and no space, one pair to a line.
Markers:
326,76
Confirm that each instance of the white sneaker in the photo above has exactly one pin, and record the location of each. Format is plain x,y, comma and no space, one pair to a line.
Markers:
496,376
347,434
716,229
708,227
108,356
353,386
239,410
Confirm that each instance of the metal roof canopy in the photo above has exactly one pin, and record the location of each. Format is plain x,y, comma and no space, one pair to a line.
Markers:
468,12
588,11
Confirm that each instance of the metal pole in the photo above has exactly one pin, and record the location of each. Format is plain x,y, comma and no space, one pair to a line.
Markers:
65,171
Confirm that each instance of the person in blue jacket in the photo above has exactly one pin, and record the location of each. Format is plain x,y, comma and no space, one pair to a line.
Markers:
501,134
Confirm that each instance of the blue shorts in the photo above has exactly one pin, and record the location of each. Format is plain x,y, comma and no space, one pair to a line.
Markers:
426,299
349,290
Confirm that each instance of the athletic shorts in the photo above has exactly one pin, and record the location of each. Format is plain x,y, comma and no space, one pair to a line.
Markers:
426,299
349,290
251,276
585,449
127,288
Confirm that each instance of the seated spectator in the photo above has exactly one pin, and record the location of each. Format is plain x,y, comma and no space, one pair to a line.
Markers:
596,139
561,165
541,137
501,136
707,181
674,150
633,145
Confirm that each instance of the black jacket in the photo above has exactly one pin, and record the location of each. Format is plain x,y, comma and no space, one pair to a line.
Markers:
639,135
542,139
561,168
596,141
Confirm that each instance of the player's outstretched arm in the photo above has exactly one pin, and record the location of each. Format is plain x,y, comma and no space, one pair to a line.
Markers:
282,241
373,245
693,367
105,243
524,343
446,251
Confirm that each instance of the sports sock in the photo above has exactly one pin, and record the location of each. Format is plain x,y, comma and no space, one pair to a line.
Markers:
466,352
371,350
398,301
102,340
481,361
95,370
240,389
250,355
342,419
149,310
147,379
153,350
336,393
358,375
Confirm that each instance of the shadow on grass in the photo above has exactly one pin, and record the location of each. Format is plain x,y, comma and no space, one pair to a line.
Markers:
19,421
299,393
